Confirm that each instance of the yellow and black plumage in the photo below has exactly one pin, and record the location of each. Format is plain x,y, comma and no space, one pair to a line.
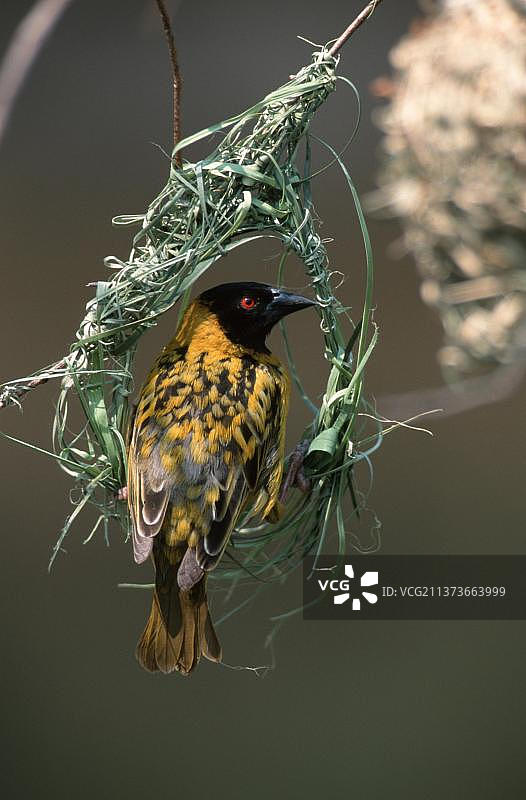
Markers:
207,442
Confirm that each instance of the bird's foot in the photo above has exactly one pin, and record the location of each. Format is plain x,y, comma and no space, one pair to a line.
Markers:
122,494
296,473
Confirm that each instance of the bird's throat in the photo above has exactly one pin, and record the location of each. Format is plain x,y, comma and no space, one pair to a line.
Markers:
201,332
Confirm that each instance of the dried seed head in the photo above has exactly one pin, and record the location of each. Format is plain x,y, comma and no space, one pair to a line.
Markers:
455,173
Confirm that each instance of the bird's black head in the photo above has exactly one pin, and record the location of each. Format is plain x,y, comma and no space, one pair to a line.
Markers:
247,312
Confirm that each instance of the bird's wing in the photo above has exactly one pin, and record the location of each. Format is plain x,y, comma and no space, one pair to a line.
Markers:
149,485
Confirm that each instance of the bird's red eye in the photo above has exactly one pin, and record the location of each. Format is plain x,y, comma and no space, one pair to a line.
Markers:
248,303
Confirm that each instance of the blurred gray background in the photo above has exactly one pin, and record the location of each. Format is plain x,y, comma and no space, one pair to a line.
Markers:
371,710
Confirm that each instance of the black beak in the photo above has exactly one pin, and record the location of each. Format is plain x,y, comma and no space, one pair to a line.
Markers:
285,303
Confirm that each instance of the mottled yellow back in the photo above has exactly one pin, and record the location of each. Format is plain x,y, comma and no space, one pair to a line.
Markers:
207,440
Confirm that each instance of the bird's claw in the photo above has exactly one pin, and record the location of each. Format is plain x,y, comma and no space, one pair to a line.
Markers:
296,473
122,494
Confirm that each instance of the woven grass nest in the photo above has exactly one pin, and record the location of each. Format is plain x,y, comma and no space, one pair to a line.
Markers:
253,184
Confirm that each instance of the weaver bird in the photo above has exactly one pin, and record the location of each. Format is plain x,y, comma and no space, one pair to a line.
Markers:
207,442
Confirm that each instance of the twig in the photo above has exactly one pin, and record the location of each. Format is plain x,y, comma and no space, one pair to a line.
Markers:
457,398
348,32
10,395
176,77
26,43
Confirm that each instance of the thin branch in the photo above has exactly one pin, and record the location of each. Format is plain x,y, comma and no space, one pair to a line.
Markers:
457,398
25,45
348,32
176,76
11,395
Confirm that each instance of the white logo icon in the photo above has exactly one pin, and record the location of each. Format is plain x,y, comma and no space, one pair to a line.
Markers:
367,579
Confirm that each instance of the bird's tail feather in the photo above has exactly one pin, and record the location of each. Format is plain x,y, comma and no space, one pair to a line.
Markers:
179,629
